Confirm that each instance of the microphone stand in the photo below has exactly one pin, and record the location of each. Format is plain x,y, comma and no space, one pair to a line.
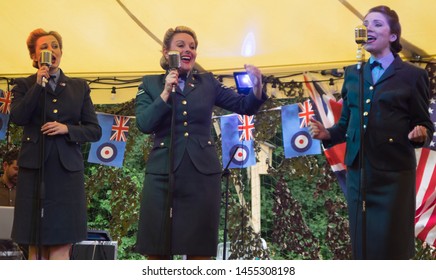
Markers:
40,187
171,179
226,174
360,65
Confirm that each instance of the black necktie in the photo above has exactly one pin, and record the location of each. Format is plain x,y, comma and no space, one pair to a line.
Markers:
374,64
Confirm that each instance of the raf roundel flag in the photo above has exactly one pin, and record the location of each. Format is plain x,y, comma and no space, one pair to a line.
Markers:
110,149
296,137
237,141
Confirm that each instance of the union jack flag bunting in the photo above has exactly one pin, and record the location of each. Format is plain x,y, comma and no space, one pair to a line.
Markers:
296,137
120,128
109,150
237,141
5,102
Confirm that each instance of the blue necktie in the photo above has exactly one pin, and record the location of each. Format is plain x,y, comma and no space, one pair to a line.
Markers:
376,72
181,83
52,82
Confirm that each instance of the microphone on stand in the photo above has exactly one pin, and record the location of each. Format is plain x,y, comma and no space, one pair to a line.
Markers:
174,63
45,60
361,37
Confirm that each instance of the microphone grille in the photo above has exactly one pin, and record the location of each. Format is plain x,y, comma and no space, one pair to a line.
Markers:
361,34
45,57
174,60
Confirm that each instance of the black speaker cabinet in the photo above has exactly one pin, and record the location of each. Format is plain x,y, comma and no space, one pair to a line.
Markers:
94,250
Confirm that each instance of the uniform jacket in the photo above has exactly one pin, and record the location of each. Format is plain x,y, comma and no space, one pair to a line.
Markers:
193,109
393,106
69,104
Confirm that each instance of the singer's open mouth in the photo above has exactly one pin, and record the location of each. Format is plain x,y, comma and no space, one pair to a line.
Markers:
371,39
186,58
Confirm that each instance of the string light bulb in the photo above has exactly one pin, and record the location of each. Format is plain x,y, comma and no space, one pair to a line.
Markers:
333,86
113,93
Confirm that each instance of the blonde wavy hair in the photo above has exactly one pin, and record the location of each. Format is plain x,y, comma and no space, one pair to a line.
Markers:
169,35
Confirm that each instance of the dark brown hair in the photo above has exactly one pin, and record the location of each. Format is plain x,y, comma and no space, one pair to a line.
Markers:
394,24
10,156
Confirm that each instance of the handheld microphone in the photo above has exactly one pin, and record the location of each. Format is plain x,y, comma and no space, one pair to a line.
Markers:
174,63
45,60
361,37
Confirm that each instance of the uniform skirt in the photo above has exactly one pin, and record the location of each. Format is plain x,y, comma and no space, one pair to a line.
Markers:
64,205
195,216
390,213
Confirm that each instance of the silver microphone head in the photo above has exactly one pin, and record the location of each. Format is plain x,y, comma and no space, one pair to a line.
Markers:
361,34
174,60
45,58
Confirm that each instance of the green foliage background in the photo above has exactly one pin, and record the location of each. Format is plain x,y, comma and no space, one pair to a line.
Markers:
303,213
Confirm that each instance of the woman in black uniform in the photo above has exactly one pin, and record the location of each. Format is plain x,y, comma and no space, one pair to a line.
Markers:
197,170
70,120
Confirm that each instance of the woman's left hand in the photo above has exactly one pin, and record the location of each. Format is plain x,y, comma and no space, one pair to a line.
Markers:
54,128
418,134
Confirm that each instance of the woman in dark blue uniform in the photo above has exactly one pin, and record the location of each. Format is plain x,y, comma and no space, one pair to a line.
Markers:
396,121
70,121
197,170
